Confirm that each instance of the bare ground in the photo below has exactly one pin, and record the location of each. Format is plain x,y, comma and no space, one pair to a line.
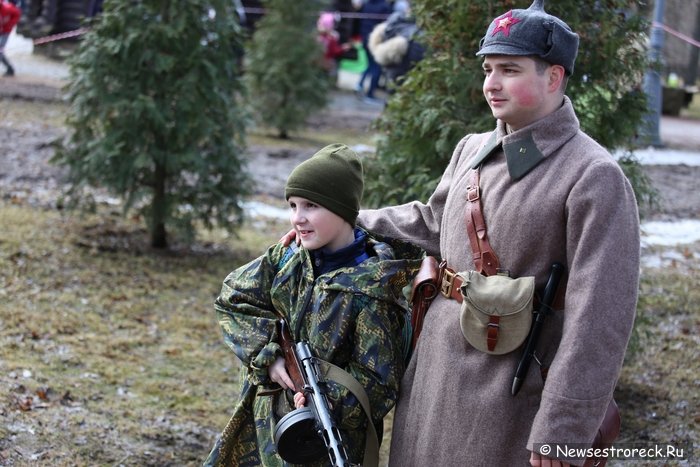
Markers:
657,392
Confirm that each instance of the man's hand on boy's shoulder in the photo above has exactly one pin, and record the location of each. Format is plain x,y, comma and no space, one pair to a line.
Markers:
289,237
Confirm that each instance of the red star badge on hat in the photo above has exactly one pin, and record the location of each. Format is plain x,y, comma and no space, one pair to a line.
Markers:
504,23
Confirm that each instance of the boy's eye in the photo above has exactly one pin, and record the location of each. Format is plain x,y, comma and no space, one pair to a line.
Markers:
311,205
292,205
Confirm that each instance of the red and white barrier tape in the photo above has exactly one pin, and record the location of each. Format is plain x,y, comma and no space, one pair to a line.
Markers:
61,36
80,31
679,35
341,14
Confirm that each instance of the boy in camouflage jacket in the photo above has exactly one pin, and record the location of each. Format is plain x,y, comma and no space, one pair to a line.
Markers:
341,292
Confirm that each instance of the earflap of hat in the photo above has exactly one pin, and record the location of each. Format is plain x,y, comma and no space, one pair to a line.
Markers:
562,44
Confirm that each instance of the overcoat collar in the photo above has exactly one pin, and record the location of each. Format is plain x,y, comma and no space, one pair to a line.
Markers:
528,146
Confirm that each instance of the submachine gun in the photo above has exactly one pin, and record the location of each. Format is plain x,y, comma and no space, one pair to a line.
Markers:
305,434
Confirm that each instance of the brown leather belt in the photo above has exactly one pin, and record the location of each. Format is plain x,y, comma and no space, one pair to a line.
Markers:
450,283
451,286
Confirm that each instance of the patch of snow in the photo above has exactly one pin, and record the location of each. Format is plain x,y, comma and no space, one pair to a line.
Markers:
256,208
363,148
670,233
654,156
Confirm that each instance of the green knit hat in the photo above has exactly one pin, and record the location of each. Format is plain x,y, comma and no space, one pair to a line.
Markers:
331,178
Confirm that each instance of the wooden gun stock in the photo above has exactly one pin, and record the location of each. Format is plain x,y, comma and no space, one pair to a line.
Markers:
291,362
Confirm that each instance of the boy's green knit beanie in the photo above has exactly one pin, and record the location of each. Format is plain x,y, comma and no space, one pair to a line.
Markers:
331,178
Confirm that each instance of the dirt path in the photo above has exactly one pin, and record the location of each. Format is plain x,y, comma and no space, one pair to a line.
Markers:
678,187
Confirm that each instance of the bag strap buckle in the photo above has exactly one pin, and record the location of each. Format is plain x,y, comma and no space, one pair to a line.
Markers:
447,282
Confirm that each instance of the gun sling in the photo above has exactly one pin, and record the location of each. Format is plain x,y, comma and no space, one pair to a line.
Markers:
342,377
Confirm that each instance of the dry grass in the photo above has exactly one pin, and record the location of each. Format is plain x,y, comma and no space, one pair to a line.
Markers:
659,388
110,353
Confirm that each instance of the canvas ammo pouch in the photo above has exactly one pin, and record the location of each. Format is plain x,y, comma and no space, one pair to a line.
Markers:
496,311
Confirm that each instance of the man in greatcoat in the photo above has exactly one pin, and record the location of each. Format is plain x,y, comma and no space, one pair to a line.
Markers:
549,194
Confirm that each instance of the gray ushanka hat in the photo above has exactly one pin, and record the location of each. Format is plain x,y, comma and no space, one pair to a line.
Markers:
532,32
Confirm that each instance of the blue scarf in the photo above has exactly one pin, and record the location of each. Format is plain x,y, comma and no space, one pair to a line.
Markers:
351,255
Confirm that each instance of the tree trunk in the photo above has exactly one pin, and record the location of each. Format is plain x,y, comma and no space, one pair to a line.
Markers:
159,238
692,72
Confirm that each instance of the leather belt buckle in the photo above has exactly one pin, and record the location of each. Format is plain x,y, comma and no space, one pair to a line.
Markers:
447,282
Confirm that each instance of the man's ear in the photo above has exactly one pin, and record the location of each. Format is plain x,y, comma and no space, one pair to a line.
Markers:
556,76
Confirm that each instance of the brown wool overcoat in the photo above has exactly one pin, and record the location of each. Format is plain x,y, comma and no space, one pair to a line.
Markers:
575,207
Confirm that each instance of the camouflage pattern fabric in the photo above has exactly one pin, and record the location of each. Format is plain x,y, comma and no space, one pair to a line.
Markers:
352,317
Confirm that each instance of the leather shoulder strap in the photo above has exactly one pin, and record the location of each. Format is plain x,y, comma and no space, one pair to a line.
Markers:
485,259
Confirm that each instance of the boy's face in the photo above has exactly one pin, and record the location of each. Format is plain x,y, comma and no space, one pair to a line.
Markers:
317,227
515,91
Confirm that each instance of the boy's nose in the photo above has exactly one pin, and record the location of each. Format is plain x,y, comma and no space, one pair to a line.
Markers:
298,217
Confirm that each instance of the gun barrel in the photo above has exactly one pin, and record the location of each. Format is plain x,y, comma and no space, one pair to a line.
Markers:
304,371
316,395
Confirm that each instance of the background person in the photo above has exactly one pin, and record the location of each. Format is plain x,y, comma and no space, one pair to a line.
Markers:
9,17
396,45
373,72
329,39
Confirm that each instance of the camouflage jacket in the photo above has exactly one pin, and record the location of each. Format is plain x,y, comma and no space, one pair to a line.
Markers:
352,317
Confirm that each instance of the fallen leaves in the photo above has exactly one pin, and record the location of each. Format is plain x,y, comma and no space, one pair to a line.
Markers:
41,398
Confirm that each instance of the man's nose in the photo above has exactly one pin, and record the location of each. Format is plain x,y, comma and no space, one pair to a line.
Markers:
491,82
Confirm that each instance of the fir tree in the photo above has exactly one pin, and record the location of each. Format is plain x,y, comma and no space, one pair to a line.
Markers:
285,80
154,93
441,99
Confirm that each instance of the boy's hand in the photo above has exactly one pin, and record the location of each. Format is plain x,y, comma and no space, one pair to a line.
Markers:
278,374
299,400
289,237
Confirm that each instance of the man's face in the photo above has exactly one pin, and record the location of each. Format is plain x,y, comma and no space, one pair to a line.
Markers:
515,91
